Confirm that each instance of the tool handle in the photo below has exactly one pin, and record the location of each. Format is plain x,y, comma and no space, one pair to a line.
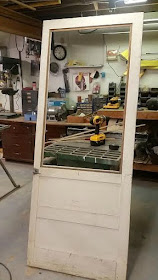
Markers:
97,129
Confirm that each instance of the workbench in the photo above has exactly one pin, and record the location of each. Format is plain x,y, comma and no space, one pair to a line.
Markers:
118,114
146,115
19,139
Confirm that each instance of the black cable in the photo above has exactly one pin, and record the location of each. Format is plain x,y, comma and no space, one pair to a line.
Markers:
10,275
113,70
108,61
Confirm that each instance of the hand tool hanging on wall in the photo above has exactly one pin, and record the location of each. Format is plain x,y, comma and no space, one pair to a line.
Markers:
67,87
54,67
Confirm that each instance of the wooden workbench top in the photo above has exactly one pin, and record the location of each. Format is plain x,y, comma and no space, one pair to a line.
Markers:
118,114
53,123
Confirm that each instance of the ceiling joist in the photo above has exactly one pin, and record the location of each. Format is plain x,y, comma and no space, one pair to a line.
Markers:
23,5
5,12
37,4
49,9
20,24
89,10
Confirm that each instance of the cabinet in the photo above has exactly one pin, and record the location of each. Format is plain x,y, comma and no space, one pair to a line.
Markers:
18,142
29,100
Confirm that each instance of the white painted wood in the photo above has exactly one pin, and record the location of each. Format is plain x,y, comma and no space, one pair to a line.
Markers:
79,220
82,175
128,147
78,217
75,264
75,238
33,216
64,24
102,198
94,21
43,92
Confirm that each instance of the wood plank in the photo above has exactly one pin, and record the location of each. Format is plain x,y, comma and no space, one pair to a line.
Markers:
82,175
114,114
118,114
103,197
19,17
147,115
22,29
74,264
104,221
25,6
50,123
38,4
16,23
145,167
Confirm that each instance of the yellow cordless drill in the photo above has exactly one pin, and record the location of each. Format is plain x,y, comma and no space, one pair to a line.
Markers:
99,138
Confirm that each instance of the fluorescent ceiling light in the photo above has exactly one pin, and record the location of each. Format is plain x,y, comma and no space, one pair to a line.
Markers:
134,1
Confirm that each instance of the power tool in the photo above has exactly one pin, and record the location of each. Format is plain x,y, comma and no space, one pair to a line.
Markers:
114,103
99,138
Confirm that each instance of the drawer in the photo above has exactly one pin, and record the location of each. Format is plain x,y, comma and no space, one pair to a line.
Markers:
17,151
17,140
55,131
19,129
18,156
30,95
18,147
28,147
25,147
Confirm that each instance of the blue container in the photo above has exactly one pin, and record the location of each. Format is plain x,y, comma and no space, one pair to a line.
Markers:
55,102
32,116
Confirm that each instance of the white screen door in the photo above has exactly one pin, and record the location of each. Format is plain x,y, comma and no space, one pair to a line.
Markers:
79,221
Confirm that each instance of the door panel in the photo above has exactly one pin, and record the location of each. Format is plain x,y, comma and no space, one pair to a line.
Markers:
79,217
76,238
84,266
90,197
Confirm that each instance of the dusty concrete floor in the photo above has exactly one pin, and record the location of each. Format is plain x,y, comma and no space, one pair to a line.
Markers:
14,219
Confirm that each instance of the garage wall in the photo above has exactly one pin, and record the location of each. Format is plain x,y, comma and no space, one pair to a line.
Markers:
89,48
97,55
8,40
150,43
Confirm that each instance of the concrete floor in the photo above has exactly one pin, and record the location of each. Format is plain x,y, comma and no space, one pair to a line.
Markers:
14,220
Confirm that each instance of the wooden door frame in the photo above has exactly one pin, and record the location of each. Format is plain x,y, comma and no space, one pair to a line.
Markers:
135,21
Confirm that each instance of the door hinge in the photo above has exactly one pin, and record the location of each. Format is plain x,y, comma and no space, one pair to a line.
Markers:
36,171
